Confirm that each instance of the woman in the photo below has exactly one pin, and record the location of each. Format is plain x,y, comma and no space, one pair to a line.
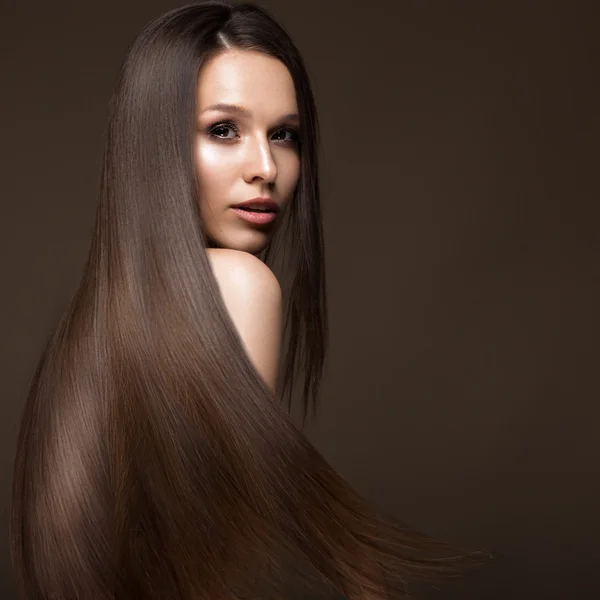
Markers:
154,458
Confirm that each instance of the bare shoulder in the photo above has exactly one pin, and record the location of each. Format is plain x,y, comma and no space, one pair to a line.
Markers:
243,272
252,296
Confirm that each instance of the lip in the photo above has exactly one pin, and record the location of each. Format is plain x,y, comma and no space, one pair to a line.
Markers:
259,218
263,202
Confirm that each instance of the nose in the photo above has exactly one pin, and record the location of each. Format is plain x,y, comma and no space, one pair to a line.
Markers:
259,161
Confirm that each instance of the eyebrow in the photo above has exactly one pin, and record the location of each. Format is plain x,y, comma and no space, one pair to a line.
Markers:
234,108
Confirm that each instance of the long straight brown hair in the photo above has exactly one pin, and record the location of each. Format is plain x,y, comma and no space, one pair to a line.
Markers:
153,462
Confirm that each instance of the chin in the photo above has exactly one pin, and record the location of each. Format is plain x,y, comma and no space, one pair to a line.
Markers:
252,242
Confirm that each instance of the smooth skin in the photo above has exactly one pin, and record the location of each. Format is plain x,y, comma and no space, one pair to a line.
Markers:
242,154
252,296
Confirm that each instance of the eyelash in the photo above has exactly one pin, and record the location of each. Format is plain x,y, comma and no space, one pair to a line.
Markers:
231,125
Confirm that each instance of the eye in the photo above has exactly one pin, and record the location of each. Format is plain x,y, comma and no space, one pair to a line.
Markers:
218,128
293,135
219,131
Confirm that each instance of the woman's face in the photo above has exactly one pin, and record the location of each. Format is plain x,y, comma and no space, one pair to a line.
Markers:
246,152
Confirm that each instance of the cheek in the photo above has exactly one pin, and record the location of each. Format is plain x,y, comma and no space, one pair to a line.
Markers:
211,168
292,174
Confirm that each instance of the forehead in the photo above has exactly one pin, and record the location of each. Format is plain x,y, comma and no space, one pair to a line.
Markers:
246,77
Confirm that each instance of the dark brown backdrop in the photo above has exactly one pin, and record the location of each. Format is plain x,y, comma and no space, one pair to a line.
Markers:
461,151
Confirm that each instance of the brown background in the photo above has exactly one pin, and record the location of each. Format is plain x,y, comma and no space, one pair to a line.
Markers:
460,159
